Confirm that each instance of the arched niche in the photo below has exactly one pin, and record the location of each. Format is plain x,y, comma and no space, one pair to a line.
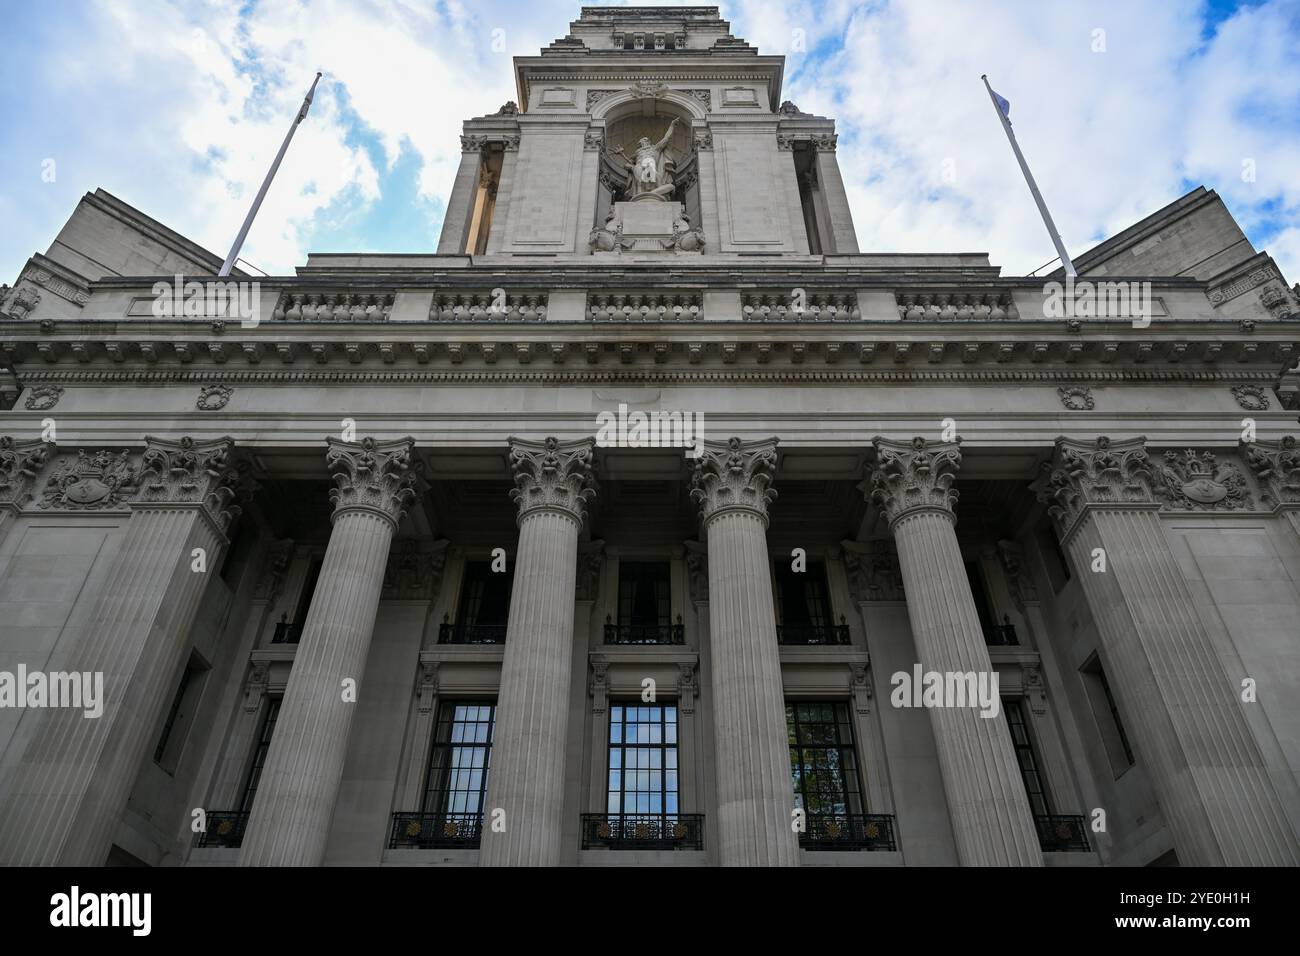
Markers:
627,116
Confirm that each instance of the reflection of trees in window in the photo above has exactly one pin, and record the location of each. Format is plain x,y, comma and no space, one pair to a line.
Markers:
823,764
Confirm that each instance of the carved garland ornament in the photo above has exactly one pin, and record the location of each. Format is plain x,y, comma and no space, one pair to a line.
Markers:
914,475
213,397
1251,397
735,476
43,397
553,476
1077,398
372,476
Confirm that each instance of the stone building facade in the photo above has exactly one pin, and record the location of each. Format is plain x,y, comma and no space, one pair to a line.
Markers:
627,527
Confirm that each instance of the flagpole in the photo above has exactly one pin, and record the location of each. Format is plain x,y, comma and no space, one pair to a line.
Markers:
266,183
1029,178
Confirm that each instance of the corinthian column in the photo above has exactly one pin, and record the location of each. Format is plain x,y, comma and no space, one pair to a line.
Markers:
68,790
553,484
755,798
290,820
991,819
1277,466
1180,705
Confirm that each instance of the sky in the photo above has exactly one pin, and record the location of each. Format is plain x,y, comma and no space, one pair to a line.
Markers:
178,107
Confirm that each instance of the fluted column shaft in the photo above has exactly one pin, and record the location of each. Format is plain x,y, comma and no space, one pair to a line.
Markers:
524,816
528,749
1180,706
66,795
991,819
755,795
290,820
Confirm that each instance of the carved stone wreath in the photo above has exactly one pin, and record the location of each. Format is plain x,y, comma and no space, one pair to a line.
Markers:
1251,397
213,397
43,397
1077,398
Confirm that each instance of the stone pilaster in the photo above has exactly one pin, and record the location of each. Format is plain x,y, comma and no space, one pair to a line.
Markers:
1181,708
553,486
731,485
21,463
68,790
290,820
991,820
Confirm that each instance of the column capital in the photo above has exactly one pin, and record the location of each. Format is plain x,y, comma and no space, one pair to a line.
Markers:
1277,466
184,471
21,461
1098,472
915,475
734,475
551,475
374,476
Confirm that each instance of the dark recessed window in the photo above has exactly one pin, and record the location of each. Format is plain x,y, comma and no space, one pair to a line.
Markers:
644,594
259,753
485,595
1030,773
180,714
642,776
1106,713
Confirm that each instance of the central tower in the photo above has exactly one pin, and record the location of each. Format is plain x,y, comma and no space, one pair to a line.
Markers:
648,132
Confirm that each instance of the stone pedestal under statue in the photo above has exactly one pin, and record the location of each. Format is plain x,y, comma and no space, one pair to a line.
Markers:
646,225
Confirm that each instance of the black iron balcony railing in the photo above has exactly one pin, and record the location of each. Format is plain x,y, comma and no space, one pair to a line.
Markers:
848,831
224,828
645,633
1001,635
428,831
813,634
643,831
462,633
1061,833
287,633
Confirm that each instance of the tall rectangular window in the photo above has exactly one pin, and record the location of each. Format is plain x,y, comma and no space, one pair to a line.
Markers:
642,776
456,784
823,763
485,594
1106,713
180,715
259,753
1027,759
644,604
803,607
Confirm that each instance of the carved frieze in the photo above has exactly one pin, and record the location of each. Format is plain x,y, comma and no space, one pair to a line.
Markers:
735,475
914,475
552,475
1251,397
872,570
21,462
372,476
1197,481
414,572
91,481
1277,466
1241,285
43,397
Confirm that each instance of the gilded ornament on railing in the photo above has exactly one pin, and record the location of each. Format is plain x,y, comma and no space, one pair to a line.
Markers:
603,831
224,827
451,829
872,831
833,830
642,831
679,831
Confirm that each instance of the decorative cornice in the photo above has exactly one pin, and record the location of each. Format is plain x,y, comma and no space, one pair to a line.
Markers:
1102,473
552,475
186,471
21,463
873,571
1277,466
734,476
373,476
914,476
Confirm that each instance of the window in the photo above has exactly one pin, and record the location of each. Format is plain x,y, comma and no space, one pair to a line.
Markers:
1025,757
644,604
456,784
485,594
259,753
642,760
290,632
1106,714
180,715
802,605
823,763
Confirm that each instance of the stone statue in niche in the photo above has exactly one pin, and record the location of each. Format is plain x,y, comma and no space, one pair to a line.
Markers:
649,169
